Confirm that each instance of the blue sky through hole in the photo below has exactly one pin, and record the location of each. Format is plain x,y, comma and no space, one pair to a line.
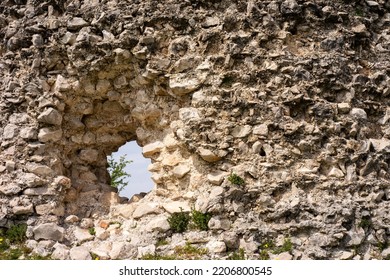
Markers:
140,180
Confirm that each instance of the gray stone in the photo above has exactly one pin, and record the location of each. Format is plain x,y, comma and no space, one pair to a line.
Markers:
80,253
159,224
39,169
358,113
184,83
208,155
76,23
10,189
261,130
285,256
181,170
10,132
216,224
82,235
216,178
61,252
22,210
241,131
49,231
216,246
144,209
49,135
50,116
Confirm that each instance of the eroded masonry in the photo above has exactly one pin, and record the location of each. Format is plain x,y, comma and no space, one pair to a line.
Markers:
291,97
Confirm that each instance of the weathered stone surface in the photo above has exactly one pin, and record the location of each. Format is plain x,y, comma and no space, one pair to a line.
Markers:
49,135
159,224
216,246
49,231
144,209
50,116
181,170
208,155
80,253
82,235
151,149
176,206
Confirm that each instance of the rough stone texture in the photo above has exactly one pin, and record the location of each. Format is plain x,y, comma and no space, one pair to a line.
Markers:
291,95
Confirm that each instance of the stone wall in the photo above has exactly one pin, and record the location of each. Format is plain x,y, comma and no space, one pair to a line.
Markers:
290,95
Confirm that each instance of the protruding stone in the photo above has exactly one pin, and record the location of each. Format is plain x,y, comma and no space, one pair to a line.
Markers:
208,155
241,131
76,23
152,148
159,224
184,83
82,235
358,113
50,116
49,231
176,206
216,178
144,209
181,170
49,135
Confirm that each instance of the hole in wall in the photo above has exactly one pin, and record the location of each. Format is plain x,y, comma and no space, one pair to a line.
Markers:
139,182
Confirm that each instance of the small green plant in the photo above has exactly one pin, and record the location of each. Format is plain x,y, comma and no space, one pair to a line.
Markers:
158,257
238,255
92,231
200,220
189,251
365,223
117,172
264,255
162,242
286,247
16,233
178,221
236,180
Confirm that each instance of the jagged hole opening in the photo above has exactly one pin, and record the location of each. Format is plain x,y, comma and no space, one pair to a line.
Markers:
139,181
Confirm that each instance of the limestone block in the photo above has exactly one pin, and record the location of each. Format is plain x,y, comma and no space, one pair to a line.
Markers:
184,83
39,169
62,84
49,231
261,130
49,135
344,108
159,224
176,206
28,133
152,148
249,246
380,144
21,210
101,233
216,246
10,132
124,210
71,219
61,252
217,223
335,172
89,155
102,251
144,209
10,189
30,180
241,131
208,155
82,235
76,23
189,114
50,116
358,113
216,178
181,170
39,191
80,253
